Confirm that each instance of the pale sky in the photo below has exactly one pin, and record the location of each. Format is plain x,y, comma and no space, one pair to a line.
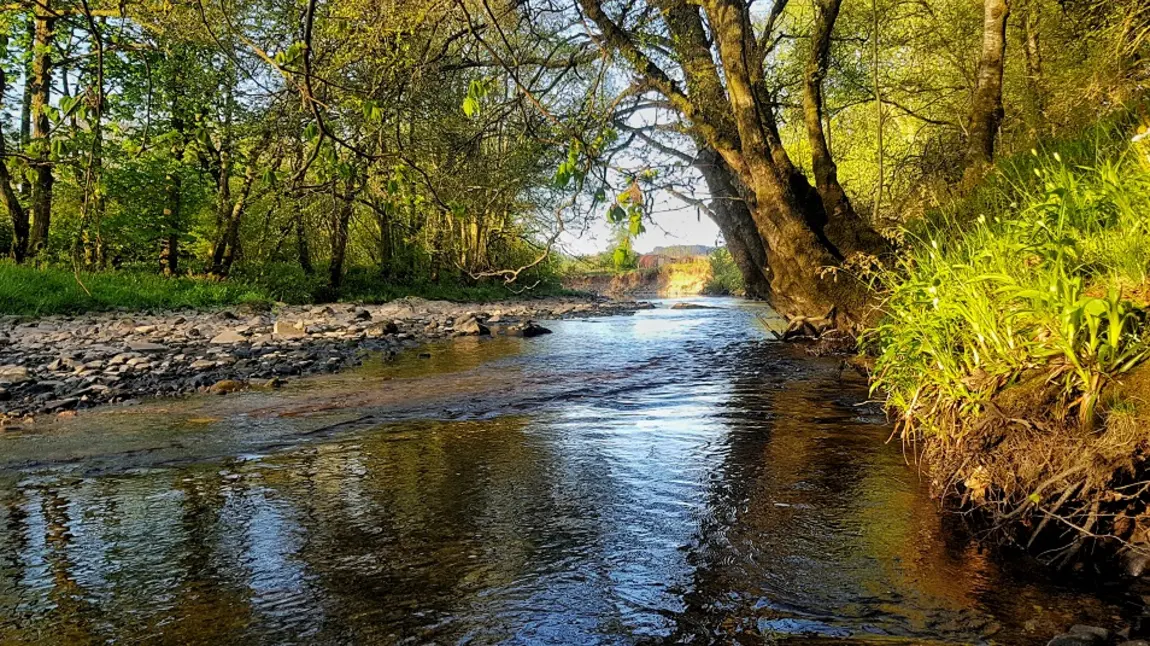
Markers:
671,224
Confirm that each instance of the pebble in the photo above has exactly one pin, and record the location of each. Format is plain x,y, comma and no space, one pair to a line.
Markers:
62,363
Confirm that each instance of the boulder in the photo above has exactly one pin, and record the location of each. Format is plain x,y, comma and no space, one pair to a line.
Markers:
227,386
531,330
289,330
227,337
471,327
14,375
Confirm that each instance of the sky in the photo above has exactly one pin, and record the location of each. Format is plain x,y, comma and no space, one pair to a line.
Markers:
672,223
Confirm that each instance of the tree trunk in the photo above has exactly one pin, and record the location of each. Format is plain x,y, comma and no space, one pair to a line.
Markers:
1032,50
730,213
303,254
986,112
41,141
736,119
844,228
26,113
170,242
340,224
16,211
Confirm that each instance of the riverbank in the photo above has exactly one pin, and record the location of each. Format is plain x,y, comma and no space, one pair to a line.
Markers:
1013,348
58,364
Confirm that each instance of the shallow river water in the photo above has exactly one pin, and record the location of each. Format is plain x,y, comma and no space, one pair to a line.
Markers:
669,477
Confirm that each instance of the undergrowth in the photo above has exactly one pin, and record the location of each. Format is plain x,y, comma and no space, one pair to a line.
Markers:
1045,268
1010,325
31,291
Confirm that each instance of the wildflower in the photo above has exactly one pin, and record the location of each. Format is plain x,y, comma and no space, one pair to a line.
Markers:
1058,158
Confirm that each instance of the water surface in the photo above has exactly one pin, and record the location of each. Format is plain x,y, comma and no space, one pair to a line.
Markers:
671,477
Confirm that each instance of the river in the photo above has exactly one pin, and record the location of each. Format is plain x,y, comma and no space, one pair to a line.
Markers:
675,476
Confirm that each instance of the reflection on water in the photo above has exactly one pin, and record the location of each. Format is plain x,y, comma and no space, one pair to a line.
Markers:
667,478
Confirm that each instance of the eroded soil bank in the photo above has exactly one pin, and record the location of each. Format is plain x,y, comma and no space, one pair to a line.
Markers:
55,365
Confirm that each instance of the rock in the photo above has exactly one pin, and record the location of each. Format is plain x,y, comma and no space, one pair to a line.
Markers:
145,329
289,330
531,330
59,404
1101,634
146,346
362,315
228,316
203,364
227,337
274,383
1134,642
1081,636
227,386
14,375
471,327
691,306
5,395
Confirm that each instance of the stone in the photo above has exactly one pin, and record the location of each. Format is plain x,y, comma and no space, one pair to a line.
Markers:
60,404
226,386
471,327
531,330
5,395
362,315
202,364
274,383
1076,639
289,330
1135,642
14,375
145,346
691,306
145,329
227,337
1101,634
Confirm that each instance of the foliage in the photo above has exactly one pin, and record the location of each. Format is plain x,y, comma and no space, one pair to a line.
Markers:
1054,276
726,280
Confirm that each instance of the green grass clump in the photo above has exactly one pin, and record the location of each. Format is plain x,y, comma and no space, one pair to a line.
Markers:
29,291
1045,268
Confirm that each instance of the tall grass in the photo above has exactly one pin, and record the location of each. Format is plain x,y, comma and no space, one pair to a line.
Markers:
30,291
1044,269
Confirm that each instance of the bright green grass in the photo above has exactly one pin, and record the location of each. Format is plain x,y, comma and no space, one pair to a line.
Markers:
30,291
1045,268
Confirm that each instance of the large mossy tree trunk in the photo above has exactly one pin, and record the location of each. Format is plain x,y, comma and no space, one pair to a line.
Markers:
729,212
986,111
731,112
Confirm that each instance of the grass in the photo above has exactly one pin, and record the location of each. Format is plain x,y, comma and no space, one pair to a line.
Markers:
29,291
1045,268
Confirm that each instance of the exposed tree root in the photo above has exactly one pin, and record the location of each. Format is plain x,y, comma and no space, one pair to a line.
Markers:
1036,476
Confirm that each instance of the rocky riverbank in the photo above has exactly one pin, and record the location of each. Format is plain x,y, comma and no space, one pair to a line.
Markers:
56,365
